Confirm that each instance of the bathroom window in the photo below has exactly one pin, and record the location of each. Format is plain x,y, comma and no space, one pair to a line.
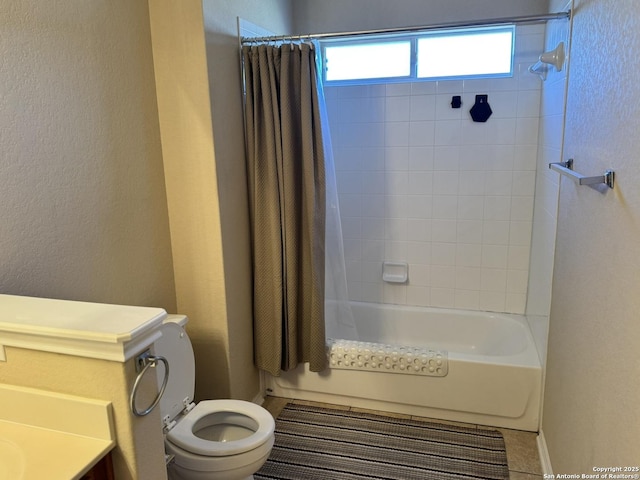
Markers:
435,55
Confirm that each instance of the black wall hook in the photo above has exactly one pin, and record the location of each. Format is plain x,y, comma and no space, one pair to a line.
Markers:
481,111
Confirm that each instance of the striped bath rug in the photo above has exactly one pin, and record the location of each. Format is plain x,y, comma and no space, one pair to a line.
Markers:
315,443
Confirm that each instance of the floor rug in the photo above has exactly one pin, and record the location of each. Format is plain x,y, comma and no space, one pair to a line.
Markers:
315,443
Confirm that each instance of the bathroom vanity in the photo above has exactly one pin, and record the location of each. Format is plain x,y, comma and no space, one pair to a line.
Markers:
66,373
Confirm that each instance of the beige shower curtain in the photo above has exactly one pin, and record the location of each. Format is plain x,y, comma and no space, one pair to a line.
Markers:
285,165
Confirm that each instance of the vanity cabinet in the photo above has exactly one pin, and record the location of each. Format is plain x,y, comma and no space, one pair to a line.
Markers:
103,470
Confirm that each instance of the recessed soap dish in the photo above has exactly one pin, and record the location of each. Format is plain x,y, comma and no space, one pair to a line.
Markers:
395,272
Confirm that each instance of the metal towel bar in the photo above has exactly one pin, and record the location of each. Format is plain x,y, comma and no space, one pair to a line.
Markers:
566,168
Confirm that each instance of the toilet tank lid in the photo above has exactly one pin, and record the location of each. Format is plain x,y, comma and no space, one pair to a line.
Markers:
176,318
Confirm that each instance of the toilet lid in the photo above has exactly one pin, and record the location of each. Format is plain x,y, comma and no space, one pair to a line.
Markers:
175,346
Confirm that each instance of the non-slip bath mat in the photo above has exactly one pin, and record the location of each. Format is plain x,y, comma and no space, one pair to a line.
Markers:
315,443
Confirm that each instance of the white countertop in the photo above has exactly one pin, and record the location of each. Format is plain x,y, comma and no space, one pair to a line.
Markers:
51,435
94,330
49,454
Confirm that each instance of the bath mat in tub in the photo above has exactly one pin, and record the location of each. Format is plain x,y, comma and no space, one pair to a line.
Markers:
381,357
315,443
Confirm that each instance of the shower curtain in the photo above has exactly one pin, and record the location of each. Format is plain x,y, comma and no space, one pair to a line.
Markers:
286,154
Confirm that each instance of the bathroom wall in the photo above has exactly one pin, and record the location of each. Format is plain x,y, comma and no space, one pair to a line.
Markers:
550,138
591,417
232,328
420,182
82,194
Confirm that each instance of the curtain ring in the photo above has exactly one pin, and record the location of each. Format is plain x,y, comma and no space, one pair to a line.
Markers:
148,360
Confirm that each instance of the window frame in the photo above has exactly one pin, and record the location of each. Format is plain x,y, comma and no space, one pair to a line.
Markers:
413,38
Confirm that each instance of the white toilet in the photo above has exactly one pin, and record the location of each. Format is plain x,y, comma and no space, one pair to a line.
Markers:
215,439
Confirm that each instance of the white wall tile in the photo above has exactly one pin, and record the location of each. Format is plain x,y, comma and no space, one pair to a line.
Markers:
422,133
445,207
444,111
422,107
470,207
445,183
398,89
371,292
470,231
395,251
419,275
449,86
443,276
421,158
419,230
396,134
372,182
443,231
372,228
421,182
395,206
468,278
468,254
495,256
443,254
467,299
371,271
396,158
493,280
446,157
423,88
419,296
370,206
419,206
447,132
495,232
493,301
418,253
398,109
443,297
373,250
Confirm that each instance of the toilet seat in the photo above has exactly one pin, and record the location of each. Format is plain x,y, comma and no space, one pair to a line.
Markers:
181,417
250,416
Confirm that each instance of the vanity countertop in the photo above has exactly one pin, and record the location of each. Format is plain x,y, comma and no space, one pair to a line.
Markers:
50,435
92,330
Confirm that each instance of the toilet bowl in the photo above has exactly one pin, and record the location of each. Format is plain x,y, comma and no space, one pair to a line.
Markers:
214,439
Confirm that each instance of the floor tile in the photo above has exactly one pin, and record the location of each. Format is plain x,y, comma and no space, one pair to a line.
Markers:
523,476
274,405
522,451
444,422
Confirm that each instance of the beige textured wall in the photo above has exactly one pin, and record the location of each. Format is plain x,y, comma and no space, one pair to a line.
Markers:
338,15
220,20
82,199
192,193
139,450
591,416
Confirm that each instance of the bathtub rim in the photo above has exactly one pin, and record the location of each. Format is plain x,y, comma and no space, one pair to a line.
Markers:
529,357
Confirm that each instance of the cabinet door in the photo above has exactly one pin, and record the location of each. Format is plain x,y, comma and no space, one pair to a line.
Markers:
103,470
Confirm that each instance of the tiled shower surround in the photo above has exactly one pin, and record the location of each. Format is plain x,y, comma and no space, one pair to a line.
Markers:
420,182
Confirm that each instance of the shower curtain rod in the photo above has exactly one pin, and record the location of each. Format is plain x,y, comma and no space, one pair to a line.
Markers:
473,23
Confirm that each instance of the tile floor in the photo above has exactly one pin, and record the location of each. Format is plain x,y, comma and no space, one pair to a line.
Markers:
522,451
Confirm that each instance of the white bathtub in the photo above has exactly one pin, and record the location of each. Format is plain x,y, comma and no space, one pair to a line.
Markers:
494,375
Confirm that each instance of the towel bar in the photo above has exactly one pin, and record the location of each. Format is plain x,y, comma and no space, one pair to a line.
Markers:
566,168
